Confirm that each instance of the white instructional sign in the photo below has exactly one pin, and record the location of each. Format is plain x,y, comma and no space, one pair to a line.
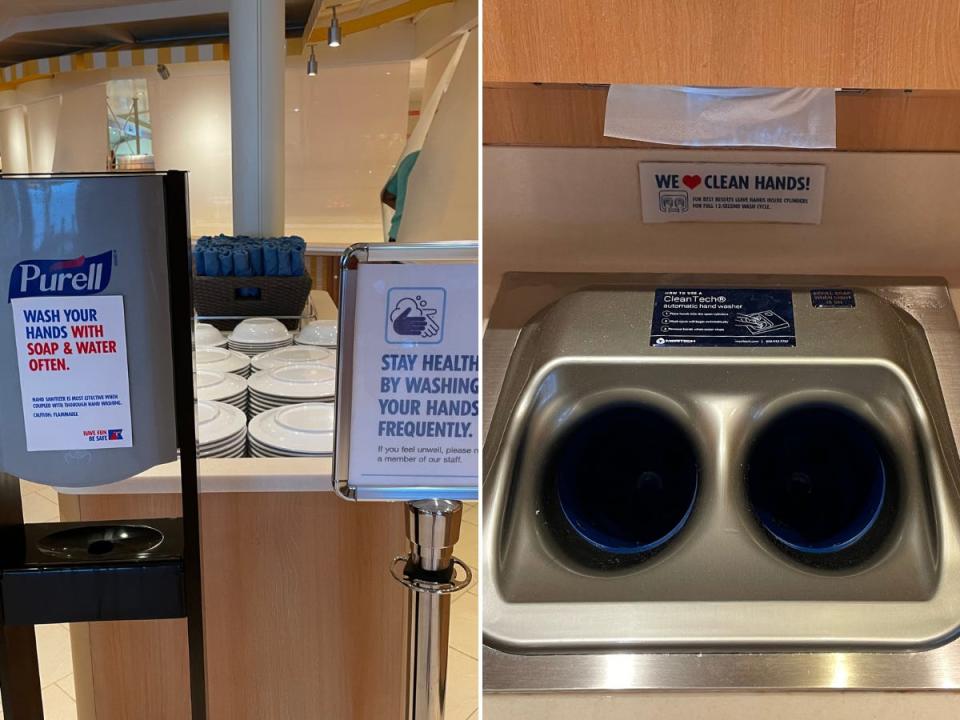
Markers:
415,390
72,357
731,192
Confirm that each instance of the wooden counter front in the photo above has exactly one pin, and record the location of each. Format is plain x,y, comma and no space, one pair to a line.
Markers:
302,618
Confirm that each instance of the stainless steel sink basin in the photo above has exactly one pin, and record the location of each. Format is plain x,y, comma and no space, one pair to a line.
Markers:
566,570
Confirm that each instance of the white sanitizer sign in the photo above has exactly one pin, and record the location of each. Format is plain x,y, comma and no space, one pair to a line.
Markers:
415,394
72,357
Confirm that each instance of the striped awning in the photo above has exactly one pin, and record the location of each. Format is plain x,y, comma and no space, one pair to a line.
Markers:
28,70
14,75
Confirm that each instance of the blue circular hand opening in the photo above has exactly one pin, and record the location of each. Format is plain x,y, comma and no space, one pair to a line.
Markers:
626,478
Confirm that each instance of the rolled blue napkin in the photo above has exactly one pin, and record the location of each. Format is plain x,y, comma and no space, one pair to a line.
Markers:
296,263
256,259
241,262
198,261
226,263
283,260
270,260
211,262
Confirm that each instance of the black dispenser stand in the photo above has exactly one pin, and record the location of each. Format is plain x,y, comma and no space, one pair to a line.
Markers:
19,669
180,273
165,583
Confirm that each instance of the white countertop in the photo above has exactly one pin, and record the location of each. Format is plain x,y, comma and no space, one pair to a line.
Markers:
222,475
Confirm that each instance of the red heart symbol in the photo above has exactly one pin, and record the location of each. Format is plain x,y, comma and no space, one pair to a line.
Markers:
691,181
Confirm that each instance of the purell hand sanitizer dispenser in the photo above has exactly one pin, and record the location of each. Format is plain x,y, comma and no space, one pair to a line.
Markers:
96,377
86,368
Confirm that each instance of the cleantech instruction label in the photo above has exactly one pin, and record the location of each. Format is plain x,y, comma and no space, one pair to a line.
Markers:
708,317
72,360
416,376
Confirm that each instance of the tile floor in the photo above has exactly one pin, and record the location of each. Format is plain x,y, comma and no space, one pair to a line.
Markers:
463,664
53,641
56,663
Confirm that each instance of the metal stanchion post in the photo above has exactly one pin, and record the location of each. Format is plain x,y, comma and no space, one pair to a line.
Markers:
429,572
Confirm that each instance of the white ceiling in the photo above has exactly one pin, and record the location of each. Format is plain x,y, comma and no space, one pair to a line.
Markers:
23,8
31,29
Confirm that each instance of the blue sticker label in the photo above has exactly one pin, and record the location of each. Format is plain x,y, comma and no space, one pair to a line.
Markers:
708,317
58,278
832,298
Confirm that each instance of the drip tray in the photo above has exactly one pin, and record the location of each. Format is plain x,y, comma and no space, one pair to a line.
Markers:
101,542
93,571
716,498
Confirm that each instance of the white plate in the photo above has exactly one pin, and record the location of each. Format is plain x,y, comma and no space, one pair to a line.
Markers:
235,439
255,409
215,385
229,440
260,346
256,452
319,332
307,427
293,355
250,351
274,400
217,421
233,454
259,330
222,449
222,360
303,381
264,451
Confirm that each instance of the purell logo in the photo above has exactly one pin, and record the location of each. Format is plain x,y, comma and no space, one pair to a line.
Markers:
52,278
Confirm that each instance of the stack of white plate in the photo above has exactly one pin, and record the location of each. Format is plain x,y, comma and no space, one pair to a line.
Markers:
304,430
289,385
295,355
222,430
221,359
257,335
222,387
319,332
206,335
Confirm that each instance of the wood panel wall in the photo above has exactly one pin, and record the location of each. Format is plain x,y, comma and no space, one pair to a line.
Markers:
325,272
572,116
772,43
302,618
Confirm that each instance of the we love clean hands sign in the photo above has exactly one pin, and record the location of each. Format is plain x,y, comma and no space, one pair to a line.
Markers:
731,192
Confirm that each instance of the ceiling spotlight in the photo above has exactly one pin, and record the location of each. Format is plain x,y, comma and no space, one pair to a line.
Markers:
163,71
312,63
333,34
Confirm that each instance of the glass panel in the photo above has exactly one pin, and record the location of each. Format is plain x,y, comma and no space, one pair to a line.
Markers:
129,127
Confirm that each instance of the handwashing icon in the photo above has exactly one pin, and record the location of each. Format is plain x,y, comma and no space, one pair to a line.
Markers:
761,323
412,317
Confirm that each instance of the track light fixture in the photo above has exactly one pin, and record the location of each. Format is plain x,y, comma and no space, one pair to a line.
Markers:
333,34
312,64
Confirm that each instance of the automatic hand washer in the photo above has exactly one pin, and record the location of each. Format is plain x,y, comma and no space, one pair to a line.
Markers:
718,464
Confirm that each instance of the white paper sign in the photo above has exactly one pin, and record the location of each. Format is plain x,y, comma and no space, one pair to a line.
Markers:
415,390
731,192
72,357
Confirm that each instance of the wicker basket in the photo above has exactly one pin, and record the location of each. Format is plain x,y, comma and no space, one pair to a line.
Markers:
275,297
